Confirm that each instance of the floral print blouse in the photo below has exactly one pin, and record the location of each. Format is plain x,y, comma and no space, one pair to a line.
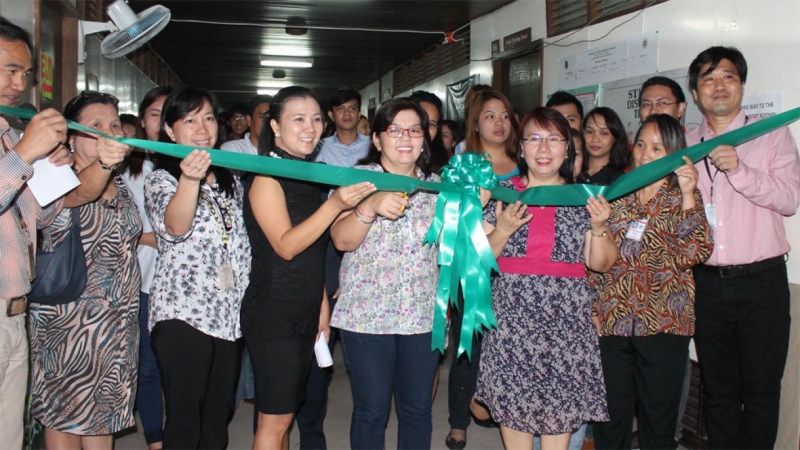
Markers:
188,281
388,284
650,289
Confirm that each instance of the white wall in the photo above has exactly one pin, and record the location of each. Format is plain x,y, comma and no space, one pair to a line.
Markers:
766,31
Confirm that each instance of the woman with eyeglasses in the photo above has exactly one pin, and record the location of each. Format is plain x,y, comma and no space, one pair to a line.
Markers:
645,313
202,271
285,309
388,282
139,165
607,152
540,370
83,353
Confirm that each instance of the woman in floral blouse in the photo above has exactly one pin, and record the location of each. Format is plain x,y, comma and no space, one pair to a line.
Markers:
645,313
387,288
202,272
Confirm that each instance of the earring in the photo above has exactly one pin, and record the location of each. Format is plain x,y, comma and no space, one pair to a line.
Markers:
277,135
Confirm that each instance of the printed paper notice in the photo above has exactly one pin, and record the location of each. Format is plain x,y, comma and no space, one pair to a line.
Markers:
50,182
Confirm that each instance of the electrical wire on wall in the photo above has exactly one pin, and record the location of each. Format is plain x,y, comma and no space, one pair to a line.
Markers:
555,43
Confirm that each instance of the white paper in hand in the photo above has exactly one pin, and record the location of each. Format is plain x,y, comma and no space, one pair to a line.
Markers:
50,182
324,358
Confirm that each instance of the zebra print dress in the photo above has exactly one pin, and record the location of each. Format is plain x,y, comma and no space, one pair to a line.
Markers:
84,355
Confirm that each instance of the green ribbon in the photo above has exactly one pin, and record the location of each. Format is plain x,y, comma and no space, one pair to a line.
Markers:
464,252
465,257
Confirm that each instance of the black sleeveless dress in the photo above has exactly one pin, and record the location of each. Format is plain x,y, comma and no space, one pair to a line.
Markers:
281,307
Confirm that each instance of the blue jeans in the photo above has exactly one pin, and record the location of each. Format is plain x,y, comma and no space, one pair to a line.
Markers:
378,365
575,441
148,393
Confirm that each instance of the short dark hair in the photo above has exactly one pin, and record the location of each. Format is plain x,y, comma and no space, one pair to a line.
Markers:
427,97
555,122
76,106
673,86
383,119
178,104
266,140
237,108
15,33
342,96
130,119
620,150
671,132
714,55
565,98
257,100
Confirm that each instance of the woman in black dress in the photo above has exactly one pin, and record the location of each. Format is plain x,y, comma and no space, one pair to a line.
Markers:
285,307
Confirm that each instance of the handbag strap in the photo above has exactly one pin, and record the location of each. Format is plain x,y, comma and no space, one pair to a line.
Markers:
76,221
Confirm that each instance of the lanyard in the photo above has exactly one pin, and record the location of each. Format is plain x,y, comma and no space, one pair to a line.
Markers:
708,167
225,220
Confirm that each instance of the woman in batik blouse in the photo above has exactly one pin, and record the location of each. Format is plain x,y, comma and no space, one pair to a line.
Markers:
645,313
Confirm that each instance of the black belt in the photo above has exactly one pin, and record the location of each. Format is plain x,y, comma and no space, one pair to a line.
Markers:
744,269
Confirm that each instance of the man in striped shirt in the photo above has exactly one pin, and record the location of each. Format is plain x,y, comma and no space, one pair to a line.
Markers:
20,216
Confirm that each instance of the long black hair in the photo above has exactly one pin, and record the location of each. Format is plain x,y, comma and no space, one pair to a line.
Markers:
439,155
383,119
134,163
178,105
620,150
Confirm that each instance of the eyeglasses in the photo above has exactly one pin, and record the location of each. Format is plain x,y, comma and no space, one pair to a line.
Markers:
536,140
413,132
238,118
662,104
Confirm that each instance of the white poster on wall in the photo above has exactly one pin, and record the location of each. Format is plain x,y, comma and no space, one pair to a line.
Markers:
634,56
762,105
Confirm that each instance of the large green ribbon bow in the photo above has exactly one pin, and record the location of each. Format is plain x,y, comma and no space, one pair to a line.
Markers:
465,258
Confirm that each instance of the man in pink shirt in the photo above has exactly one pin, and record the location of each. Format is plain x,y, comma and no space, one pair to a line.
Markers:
742,329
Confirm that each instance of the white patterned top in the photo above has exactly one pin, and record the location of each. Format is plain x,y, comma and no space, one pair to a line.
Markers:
388,284
187,283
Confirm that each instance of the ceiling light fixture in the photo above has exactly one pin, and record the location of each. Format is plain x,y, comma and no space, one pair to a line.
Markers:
267,91
286,61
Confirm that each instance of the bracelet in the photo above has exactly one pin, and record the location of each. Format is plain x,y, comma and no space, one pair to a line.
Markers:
364,212
105,167
356,213
601,235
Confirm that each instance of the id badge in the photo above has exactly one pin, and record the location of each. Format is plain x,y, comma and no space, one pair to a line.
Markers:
636,230
226,277
711,214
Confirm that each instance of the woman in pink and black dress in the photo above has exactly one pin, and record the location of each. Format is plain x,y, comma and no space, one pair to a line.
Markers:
540,370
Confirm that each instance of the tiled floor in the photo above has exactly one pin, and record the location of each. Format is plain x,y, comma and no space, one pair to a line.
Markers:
337,423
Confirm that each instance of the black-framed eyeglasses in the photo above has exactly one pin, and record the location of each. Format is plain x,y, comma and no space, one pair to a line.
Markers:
661,104
397,132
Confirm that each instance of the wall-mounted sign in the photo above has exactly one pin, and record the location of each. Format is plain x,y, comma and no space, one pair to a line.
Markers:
495,47
519,39
47,76
611,62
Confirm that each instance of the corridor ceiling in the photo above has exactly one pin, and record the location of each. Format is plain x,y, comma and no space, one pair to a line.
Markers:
346,52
